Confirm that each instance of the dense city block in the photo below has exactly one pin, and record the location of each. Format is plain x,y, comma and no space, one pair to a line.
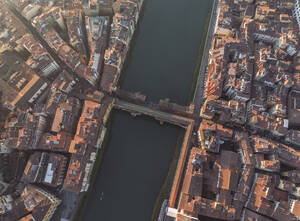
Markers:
60,65
55,58
246,162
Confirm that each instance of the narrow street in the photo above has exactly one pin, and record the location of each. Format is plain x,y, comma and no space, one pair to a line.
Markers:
37,35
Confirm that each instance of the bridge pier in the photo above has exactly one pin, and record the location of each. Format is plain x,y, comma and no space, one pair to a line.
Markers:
161,121
134,114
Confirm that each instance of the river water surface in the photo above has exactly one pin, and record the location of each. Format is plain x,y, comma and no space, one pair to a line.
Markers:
134,168
160,65
164,54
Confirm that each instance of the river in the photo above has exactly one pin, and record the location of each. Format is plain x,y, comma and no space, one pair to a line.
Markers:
161,64
164,53
134,168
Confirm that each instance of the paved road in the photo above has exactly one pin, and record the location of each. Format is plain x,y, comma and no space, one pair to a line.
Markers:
198,97
68,206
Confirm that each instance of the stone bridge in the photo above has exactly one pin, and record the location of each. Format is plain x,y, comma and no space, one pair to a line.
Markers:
151,110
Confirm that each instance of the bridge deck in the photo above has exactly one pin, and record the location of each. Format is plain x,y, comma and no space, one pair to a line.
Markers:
159,115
